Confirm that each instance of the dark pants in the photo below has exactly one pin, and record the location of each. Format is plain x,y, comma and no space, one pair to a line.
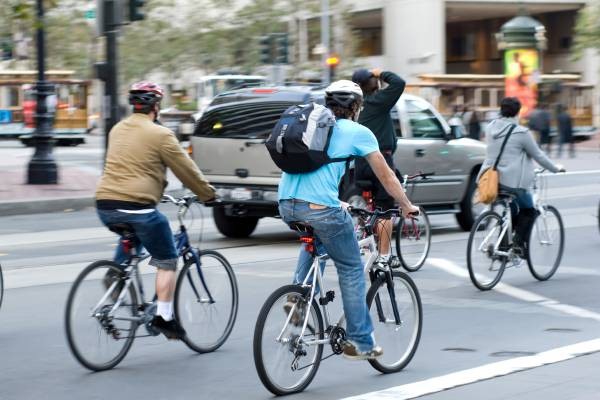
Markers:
381,198
523,214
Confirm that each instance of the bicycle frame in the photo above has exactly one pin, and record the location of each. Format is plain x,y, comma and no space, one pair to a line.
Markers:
184,250
369,244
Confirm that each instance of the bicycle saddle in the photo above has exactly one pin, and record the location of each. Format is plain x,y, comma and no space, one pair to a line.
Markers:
302,227
362,184
122,229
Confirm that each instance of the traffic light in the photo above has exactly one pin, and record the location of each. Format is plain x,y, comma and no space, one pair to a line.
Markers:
281,48
266,55
135,12
332,62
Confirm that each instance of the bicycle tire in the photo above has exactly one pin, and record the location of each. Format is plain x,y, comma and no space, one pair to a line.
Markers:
413,266
415,337
183,310
481,222
532,268
1,286
69,329
259,360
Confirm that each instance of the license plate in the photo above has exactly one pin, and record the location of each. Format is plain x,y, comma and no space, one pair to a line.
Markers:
241,194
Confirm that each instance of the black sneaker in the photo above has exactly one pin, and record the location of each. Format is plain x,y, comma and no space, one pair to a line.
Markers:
109,278
395,262
171,329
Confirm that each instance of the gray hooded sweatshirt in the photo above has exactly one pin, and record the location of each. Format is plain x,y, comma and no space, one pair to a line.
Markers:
516,168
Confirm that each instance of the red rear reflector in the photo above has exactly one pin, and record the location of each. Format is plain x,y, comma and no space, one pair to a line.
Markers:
264,91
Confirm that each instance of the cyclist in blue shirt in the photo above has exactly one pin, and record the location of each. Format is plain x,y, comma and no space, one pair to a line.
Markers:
312,198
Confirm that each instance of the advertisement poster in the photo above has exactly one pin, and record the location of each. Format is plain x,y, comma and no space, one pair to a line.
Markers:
521,68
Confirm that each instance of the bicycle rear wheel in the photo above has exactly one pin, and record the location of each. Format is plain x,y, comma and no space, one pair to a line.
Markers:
413,240
97,340
546,244
398,340
206,301
284,362
485,266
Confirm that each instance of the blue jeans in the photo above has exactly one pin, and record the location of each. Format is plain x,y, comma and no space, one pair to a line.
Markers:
153,231
523,200
335,232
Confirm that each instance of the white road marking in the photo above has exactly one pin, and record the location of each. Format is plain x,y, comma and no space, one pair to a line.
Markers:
488,371
517,293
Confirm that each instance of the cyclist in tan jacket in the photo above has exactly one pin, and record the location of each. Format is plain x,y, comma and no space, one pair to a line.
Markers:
132,184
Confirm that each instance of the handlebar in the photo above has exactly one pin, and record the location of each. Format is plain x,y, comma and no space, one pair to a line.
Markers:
187,201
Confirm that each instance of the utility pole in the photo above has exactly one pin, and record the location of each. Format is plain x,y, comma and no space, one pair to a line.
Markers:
111,84
325,39
42,168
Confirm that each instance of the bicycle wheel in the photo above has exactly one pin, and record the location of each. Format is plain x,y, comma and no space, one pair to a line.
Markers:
287,365
98,341
413,240
207,318
546,244
1,287
485,267
399,341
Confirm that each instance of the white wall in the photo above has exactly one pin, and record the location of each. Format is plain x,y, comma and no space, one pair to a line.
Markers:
414,37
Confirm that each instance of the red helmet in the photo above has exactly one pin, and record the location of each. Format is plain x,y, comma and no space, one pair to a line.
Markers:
145,93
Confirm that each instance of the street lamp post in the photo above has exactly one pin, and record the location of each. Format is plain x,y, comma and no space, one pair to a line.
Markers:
42,168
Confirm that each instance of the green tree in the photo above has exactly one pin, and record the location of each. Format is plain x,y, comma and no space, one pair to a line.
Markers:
587,29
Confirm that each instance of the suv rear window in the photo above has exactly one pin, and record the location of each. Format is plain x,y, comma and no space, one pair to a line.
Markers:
251,120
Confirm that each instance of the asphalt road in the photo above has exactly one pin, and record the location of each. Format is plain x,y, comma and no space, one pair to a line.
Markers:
463,327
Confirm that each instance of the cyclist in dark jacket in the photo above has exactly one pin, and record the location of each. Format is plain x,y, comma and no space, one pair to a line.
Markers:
375,115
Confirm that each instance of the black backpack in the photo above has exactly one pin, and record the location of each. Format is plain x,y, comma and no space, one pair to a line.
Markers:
299,141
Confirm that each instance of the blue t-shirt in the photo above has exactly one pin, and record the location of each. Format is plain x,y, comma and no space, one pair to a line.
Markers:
321,186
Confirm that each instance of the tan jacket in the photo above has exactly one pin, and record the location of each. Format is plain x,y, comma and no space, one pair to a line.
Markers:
138,155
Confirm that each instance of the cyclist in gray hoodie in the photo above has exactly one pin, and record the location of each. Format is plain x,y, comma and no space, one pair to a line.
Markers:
516,167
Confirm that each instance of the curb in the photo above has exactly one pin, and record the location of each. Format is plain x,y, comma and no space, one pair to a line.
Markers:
20,207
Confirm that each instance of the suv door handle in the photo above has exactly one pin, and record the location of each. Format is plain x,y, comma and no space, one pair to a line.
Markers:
248,144
420,153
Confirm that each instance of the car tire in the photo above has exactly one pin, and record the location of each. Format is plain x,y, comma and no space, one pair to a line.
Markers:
234,227
467,215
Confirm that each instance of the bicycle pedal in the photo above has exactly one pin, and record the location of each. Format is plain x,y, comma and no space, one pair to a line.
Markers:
329,296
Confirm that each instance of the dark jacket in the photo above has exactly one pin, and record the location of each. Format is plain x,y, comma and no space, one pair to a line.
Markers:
540,120
376,112
565,127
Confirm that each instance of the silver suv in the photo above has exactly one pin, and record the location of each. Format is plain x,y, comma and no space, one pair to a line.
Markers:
228,145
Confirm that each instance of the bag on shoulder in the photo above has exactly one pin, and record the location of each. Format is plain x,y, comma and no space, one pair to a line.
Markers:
299,141
487,187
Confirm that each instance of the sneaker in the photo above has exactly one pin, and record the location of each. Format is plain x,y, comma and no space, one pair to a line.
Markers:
109,278
351,352
171,329
298,314
394,262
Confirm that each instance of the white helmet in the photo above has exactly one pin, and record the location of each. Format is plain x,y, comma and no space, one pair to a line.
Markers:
343,93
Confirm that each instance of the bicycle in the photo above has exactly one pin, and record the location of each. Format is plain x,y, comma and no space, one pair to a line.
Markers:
101,322
288,343
490,245
412,234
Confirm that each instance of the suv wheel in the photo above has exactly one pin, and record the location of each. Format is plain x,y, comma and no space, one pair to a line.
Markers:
469,207
234,227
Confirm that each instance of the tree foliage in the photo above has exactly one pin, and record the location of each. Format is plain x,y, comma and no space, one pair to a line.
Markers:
587,29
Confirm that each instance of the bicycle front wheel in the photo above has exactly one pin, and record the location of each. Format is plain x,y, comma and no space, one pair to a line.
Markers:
287,362
413,240
546,244
98,337
389,296
206,301
485,265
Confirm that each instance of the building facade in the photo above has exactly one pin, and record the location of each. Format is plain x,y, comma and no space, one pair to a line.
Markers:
415,37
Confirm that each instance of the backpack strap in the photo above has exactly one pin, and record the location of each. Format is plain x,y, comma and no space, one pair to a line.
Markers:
510,131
